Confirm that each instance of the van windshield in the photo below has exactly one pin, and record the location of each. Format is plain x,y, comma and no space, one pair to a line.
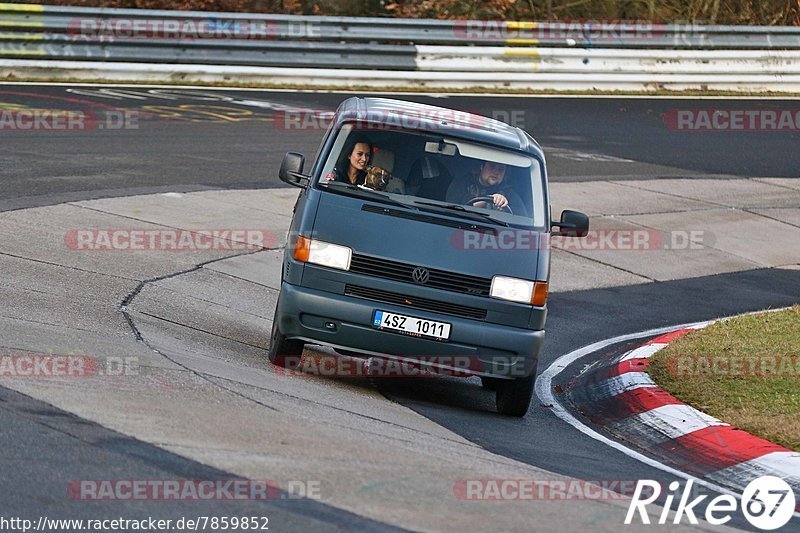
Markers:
425,170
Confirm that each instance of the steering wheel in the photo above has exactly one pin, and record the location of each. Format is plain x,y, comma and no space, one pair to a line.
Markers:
489,202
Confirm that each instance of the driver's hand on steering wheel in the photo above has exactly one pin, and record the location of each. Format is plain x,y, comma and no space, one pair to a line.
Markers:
500,201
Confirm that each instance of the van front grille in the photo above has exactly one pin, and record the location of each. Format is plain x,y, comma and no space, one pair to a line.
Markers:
437,279
404,300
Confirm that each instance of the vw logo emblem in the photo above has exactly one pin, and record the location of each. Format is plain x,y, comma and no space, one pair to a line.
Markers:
420,275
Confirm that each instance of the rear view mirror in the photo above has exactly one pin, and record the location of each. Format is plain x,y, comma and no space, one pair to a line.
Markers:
440,148
291,170
572,224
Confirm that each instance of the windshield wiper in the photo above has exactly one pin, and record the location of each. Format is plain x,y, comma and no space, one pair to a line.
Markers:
365,193
462,211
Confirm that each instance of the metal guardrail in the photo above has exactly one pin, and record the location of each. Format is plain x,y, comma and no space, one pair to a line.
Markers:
369,51
212,52
634,33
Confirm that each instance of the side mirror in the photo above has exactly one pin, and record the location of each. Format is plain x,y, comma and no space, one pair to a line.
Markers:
573,224
291,170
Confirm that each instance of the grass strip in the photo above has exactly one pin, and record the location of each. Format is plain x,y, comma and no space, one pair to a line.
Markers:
744,371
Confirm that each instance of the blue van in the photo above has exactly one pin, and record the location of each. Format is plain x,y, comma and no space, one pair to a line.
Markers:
421,235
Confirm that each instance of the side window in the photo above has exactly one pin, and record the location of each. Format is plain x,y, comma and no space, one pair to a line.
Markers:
336,149
317,162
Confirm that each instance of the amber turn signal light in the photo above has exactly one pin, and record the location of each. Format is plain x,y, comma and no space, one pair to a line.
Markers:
539,293
302,248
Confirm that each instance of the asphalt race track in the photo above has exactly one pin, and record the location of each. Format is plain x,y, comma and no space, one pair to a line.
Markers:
149,141
209,140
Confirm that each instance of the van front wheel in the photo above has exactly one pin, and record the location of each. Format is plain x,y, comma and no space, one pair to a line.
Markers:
514,395
284,352
490,383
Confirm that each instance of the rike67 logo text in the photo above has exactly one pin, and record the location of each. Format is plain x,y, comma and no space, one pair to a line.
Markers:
767,503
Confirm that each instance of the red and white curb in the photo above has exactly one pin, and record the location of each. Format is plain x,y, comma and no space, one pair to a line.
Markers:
620,396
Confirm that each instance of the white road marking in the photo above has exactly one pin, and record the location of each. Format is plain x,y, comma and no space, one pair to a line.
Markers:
611,387
674,421
643,352
787,463
574,155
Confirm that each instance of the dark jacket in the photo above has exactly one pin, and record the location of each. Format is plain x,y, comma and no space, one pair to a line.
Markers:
338,175
463,189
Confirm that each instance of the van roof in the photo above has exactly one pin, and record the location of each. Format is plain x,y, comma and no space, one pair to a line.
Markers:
450,122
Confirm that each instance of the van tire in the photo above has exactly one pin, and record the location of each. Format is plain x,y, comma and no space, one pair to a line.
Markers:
283,352
514,396
490,383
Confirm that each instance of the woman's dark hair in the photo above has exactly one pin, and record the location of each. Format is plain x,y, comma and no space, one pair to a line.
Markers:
343,163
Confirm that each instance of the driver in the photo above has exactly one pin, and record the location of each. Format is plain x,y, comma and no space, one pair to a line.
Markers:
488,181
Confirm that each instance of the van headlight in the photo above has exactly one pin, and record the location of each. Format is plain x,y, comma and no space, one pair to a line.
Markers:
519,290
322,253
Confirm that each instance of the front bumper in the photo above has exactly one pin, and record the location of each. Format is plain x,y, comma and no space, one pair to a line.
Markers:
345,322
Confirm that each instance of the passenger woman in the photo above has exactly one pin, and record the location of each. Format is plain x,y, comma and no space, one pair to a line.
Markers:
351,167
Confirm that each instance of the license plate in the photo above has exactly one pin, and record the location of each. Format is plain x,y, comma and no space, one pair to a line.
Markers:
409,325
